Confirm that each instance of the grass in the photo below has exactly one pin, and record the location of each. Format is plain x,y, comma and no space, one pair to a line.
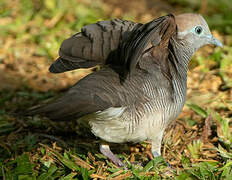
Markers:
197,145
215,11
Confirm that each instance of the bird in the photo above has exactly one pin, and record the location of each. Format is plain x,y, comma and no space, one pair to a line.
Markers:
141,86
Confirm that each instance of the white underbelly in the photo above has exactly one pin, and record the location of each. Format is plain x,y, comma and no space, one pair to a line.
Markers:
115,125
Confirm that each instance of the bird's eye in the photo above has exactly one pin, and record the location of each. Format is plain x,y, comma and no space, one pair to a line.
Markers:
198,29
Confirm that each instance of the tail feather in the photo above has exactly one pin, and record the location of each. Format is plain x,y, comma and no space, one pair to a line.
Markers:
62,65
62,109
55,110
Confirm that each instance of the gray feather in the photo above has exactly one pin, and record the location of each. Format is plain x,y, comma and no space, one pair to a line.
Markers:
91,46
156,55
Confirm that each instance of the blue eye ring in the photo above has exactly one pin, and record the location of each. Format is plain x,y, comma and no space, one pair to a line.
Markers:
198,30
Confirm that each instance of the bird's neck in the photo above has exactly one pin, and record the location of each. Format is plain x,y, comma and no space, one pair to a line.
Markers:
179,57
180,53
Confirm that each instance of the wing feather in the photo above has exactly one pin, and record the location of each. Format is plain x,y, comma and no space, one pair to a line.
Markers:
103,89
91,46
156,33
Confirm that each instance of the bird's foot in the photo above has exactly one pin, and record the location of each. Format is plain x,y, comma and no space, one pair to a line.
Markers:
156,154
105,150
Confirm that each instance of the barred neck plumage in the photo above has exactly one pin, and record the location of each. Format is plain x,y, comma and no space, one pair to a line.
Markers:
179,56
180,53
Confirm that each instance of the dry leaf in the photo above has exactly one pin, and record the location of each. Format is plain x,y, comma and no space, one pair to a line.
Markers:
207,128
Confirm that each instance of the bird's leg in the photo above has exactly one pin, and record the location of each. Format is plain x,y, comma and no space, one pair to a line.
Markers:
105,150
156,146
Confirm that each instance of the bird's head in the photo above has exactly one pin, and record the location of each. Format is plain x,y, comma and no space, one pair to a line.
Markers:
194,29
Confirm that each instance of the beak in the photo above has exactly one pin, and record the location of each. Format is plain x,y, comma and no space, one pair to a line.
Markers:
215,41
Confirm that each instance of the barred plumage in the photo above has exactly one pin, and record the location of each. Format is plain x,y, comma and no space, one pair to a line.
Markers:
141,87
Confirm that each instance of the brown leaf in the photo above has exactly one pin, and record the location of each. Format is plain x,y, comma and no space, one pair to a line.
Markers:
82,163
97,176
122,176
207,128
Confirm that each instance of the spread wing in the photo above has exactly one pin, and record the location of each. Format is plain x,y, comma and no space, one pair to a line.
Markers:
103,89
91,46
149,39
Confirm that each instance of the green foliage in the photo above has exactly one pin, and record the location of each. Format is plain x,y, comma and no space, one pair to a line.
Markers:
195,148
47,22
223,58
204,171
20,168
84,173
198,110
47,175
215,11
5,125
224,131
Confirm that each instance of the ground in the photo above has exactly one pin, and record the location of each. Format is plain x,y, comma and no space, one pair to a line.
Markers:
197,144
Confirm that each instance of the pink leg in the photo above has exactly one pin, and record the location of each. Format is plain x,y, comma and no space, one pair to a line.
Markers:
105,150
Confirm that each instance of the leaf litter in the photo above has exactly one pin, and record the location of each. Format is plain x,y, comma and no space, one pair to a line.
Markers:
199,138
